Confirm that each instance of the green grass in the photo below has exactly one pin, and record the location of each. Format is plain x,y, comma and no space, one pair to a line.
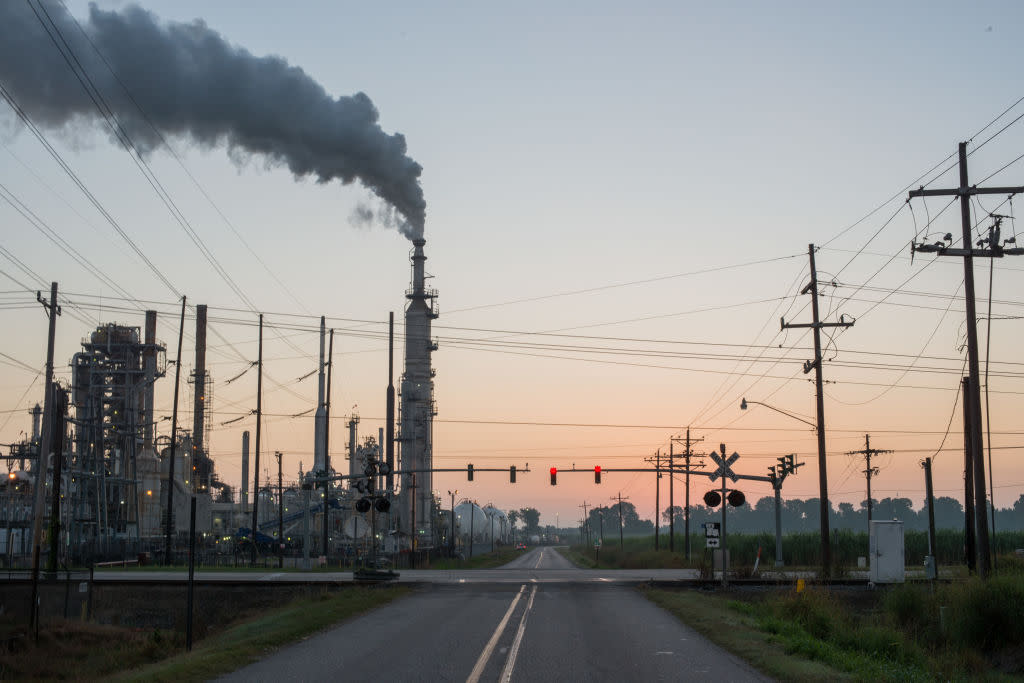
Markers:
893,634
713,617
83,651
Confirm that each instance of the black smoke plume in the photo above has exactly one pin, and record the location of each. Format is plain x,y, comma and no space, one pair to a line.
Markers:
189,82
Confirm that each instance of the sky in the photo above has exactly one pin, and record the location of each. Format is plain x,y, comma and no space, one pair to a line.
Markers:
619,203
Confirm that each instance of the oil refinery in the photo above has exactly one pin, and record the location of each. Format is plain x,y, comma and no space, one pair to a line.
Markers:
114,481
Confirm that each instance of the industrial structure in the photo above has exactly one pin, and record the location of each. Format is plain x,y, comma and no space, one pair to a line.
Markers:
416,419
114,472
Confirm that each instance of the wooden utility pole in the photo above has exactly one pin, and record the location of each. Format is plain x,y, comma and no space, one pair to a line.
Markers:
327,446
930,500
657,497
280,513
620,499
169,515
687,454
816,325
869,471
995,249
970,547
45,446
586,520
259,424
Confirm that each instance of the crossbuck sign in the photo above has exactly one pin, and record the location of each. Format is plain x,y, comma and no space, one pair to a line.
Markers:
724,466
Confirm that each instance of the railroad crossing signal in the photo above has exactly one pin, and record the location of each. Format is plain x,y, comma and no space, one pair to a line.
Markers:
724,465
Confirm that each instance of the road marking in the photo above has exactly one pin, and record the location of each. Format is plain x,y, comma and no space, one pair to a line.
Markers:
506,673
478,669
539,559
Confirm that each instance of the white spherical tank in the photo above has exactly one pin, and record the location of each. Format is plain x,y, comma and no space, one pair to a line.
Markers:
470,518
498,522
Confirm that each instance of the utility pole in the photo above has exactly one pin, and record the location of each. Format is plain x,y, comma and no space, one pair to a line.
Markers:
259,424
687,454
995,249
60,414
327,446
45,446
970,547
280,513
169,520
816,325
671,495
929,494
869,471
586,520
620,499
657,497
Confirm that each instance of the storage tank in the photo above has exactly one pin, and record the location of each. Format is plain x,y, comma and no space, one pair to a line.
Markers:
498,521
470,518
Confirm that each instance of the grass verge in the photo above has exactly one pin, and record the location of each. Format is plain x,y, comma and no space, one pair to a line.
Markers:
72,650
970,630
714,618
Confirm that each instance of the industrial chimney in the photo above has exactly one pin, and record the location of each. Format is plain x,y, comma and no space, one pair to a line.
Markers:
417,405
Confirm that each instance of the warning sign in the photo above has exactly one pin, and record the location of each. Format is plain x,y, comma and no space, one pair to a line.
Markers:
713,534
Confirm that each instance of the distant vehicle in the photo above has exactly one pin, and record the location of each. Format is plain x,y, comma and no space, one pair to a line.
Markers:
520,546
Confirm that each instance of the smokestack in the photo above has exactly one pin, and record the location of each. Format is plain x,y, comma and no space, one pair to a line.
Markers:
37,420
353,465
199,398
187,81
418,275
149,366
244,496
320,422
389,423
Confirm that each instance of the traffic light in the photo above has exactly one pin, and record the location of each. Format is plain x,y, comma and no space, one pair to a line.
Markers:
554,476
512,474
712,499
597,474
736,498
469,471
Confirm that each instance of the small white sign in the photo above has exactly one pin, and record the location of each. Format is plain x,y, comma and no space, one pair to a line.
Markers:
712,534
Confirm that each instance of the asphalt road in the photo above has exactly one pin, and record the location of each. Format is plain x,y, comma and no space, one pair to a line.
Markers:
543,564
526,630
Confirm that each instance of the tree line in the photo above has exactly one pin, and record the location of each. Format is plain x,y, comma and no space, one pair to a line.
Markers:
802,515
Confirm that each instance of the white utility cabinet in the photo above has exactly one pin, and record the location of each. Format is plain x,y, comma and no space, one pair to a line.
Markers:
887,551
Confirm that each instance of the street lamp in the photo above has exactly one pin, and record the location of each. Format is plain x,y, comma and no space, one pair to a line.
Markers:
452,494
745,402
823,486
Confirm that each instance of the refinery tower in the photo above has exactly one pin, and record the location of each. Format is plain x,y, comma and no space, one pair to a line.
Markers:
417,407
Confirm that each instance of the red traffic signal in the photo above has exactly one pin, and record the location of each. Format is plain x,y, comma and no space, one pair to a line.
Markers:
554,475
597,474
